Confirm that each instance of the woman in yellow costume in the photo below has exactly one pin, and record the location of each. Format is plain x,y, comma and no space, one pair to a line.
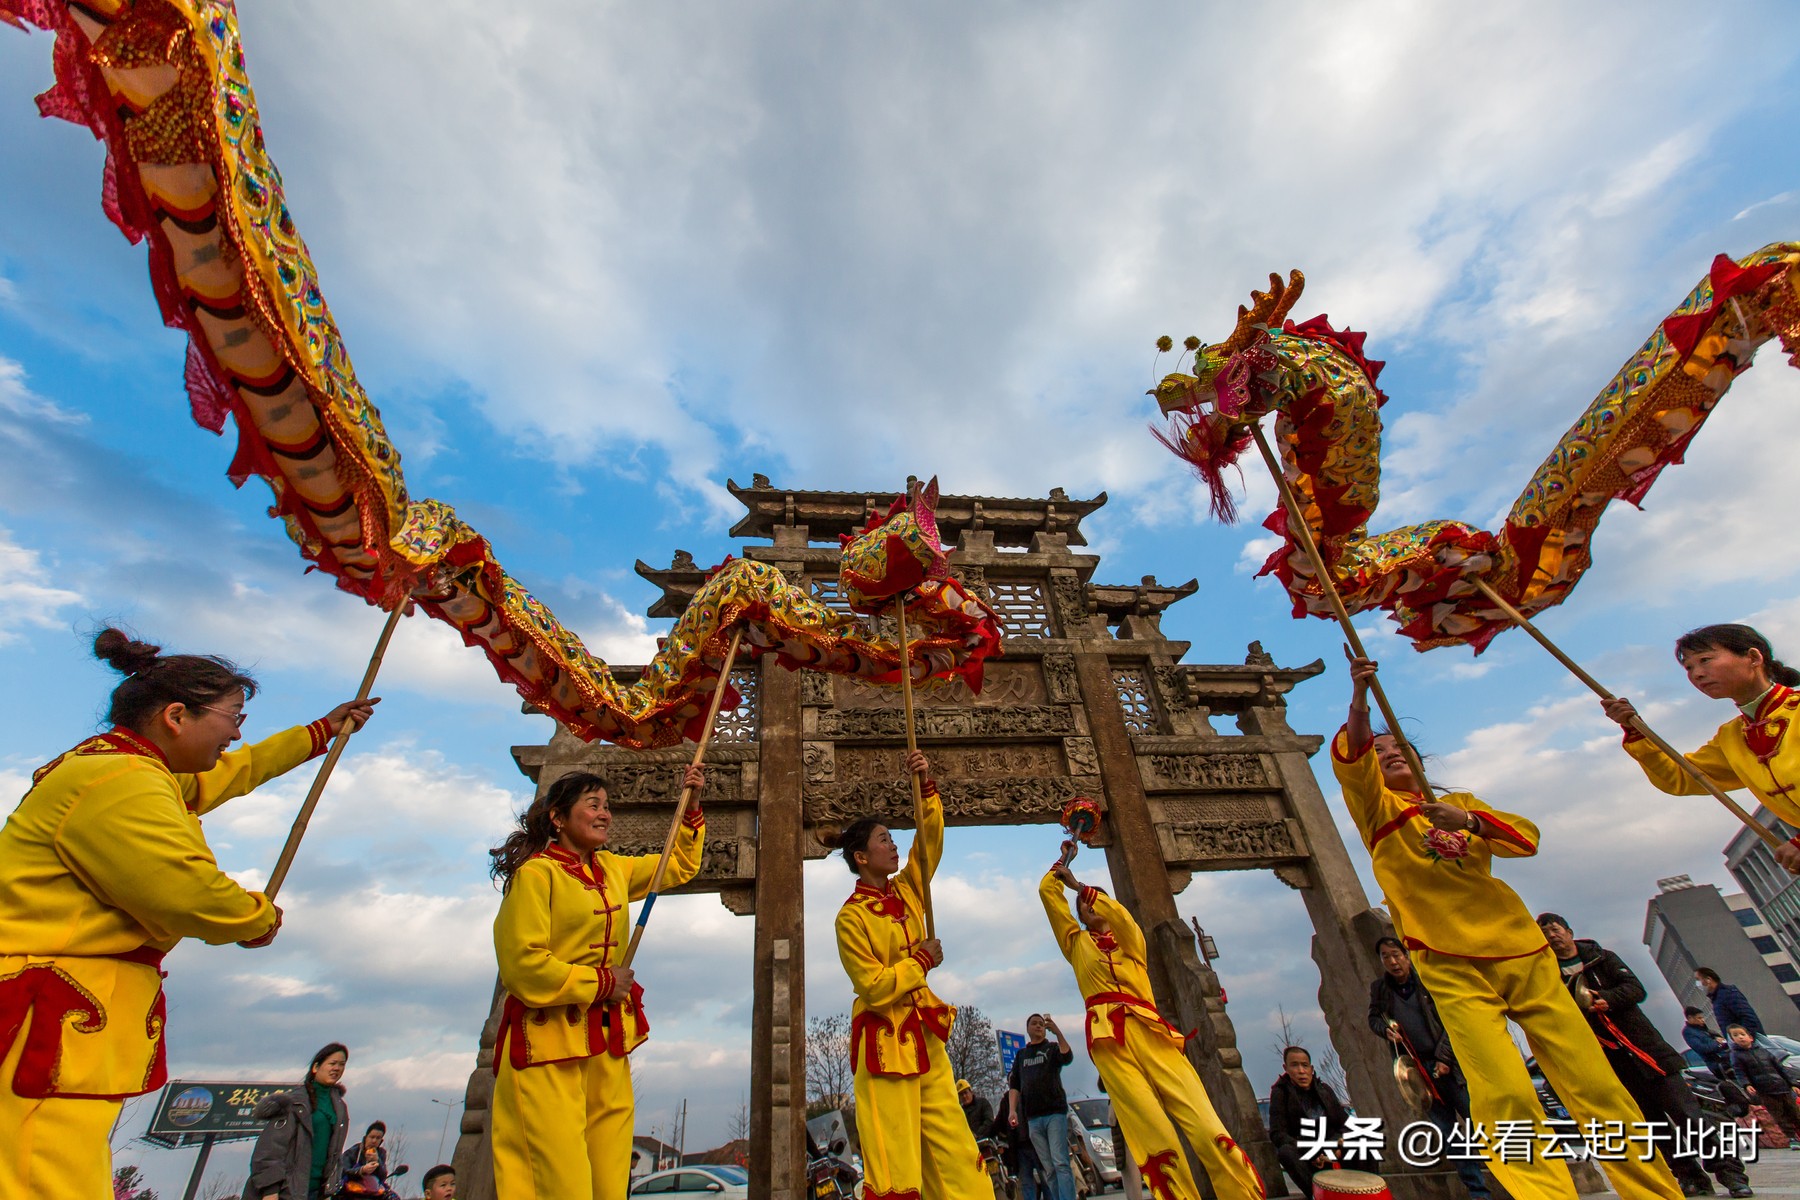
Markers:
562,1073
1139,1055
1483,958
908,1118
1758,749
103,868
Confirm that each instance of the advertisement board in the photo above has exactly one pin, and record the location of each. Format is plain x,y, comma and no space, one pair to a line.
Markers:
189,1110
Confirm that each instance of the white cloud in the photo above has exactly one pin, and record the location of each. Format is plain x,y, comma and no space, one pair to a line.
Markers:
27,595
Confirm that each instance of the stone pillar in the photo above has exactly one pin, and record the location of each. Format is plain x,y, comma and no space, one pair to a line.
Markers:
778,1020
473,1157
1135,857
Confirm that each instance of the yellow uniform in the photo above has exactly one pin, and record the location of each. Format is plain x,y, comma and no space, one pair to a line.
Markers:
562,1076
103,869
1484,960
1140,1057
1760,752
908,1118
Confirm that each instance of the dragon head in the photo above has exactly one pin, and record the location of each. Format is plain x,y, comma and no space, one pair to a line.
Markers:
1210,409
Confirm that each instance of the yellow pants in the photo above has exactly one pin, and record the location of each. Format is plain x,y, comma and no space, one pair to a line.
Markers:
914,1135
1154,1090
53,1147
1474,999
562,1131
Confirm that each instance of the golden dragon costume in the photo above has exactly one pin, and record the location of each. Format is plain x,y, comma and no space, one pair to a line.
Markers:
163,84
1322,389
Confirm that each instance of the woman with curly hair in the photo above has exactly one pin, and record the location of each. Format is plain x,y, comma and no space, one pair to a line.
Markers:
563,1107
1483,957
103,869
1758,748
908,1117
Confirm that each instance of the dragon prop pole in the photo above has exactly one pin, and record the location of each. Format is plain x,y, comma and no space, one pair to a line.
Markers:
292,847
912,745
1693,772
687,794
1297,519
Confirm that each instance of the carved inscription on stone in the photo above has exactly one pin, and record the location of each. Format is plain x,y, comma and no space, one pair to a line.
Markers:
1083,758
1059,679
1232,772
1003,683
1038,720
857,764
1185,810
1203,840
999,801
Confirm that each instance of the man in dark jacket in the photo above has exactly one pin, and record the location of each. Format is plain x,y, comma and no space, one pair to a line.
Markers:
977,1109
1761,1074
1608,994
1729,1004
1298,1096
1402,1011
1713,1050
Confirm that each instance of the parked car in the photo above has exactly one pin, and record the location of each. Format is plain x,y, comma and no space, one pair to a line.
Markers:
708,1182
1090,1129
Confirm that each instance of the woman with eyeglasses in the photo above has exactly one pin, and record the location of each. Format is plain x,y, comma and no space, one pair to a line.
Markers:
103,869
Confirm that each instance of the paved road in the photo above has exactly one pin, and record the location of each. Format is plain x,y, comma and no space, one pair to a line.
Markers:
1775,1173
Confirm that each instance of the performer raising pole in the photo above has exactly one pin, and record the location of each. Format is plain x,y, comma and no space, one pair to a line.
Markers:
1758,749
908,1116
912,750
1139,1055
1481,955
574,1012
1690,779
103,869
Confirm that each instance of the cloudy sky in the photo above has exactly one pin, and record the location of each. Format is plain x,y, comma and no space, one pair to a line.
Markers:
594,260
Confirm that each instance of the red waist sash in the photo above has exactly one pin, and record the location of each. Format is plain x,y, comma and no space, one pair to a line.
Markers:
605,1030
1146,1008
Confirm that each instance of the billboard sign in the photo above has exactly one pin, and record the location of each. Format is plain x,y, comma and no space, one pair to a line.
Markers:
1010,1045
189,1110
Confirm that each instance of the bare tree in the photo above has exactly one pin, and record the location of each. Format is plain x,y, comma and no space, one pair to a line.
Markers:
396,1148
218,1187
974,1054
1327,1066
739,1126
830,1083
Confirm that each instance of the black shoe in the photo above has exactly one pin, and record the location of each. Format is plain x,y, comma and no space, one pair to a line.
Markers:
1741,1190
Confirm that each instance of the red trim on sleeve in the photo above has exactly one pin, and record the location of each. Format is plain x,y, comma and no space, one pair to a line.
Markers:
1343,737
694,818
320,733
1493,827
928,787
923,958
1631,735
605,982
1087,894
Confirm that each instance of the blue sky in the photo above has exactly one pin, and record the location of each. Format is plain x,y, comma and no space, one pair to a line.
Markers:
593,261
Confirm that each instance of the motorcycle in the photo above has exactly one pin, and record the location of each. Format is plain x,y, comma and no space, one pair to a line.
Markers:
829,1177
371,1187
994,1163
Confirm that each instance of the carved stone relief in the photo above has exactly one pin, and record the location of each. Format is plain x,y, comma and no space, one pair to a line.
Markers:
1060,680
1003,683
1182,810
858,764
1083,758
720,857
1010,800
1071,605
1234,772
631,783
1040,720
818,761
1206,840
815,689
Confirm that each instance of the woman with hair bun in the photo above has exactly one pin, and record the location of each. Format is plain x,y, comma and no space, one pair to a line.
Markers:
1757,749
103,869
908,1115
562,1106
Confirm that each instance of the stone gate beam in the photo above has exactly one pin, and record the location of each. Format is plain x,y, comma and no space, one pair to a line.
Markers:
778,1017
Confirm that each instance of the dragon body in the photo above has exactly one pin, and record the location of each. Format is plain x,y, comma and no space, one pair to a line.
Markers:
163,84
1323,391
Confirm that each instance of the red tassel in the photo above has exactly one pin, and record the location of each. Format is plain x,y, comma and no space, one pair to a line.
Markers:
1209,444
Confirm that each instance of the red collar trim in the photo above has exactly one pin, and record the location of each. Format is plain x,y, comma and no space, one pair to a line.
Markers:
130,743
863,889
1778,695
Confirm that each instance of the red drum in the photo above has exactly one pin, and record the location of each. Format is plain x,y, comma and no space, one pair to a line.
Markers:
1350,1185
